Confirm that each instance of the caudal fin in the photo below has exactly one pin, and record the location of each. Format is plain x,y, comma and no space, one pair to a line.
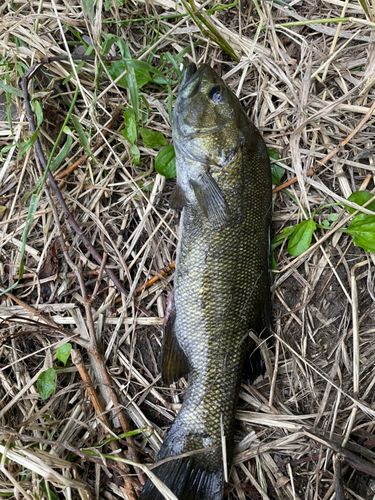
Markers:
187,479
194,477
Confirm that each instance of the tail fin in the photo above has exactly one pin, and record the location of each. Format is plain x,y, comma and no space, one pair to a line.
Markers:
194,477
187,480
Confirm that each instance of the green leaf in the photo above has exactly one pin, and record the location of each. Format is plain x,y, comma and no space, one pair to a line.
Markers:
333,217
63,352
50,494
135,154
46,383
152,139
325,223
108,4
165,162
360,197
62,153
88,7
362,228
130,133
39,112
301,237
109,41
283,234
142,77
118,67
276,171
82,136
130,78
5,149
273,261
28,144
10,89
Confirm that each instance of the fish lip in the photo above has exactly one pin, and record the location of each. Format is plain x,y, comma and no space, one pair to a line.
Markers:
191,79
188,74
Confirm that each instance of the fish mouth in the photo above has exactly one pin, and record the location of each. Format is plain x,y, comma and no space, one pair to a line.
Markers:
192,77
190,86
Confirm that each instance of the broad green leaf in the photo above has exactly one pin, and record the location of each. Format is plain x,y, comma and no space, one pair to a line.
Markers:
333,217
160,80
325,223
142,77
118,67
62,153
135,154
141,65
130,133
300,240
360,197
63,352
362,228
39,112
46,383
165,162
276,170
108,4
82,136
283,234
29,220
28,144
152,139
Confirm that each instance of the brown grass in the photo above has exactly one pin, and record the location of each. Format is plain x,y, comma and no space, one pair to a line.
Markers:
306,87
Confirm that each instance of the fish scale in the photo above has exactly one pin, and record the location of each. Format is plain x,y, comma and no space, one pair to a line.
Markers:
221,286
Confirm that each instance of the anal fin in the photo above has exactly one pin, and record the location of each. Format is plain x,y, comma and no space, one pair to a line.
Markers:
174,363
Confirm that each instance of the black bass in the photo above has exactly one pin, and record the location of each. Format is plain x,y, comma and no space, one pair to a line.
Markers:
221,287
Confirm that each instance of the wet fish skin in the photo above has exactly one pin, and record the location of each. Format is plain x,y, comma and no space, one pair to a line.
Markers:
221,287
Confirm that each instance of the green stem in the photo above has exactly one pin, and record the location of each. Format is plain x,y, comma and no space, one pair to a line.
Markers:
325,21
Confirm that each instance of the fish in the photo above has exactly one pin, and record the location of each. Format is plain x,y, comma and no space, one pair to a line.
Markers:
222,281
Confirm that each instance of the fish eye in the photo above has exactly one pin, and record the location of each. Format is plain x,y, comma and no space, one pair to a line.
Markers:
215,95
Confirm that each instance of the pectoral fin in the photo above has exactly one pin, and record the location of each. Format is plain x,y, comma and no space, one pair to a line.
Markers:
211,200
174,363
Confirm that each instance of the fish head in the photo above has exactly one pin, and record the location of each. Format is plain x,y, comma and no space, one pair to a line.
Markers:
208,120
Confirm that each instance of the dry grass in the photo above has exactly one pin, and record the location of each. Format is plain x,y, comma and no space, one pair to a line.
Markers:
306,87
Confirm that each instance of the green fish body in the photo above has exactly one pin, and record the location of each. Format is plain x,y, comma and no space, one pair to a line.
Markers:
221,287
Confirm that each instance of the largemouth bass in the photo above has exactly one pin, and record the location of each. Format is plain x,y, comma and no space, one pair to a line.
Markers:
221,287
